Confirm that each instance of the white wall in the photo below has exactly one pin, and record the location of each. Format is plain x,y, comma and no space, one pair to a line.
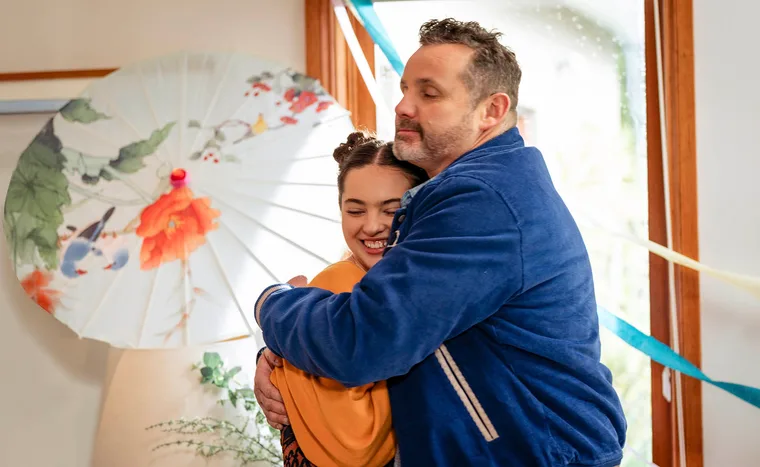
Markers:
38,35
728,150
52,383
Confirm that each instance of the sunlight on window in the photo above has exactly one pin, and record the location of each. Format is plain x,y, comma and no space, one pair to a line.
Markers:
582,103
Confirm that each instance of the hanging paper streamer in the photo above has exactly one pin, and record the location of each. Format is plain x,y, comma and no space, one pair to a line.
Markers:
665,356
374,27
749,283
644,343
361,60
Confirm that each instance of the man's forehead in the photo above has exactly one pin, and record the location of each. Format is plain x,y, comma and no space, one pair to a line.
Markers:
432,64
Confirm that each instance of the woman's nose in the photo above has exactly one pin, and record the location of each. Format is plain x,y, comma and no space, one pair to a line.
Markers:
375,224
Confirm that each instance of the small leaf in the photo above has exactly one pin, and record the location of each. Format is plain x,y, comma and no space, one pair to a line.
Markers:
49,256
212,360
246,392
193,124
45,237
80,110
253,79
130,158
196,155
105,175
40,154
233,371
207,373
233,397
231,158
219,136
47,137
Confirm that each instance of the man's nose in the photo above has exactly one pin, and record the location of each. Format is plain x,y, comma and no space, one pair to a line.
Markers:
405,108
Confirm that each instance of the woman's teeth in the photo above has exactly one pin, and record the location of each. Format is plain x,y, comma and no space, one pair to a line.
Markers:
376,244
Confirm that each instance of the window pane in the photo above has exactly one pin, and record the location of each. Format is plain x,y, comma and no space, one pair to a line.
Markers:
582,103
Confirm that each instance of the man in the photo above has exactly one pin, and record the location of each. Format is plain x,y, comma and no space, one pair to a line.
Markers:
481,315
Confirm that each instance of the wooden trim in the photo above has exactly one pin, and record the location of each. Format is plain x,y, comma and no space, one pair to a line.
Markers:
56,74
329,60
678,70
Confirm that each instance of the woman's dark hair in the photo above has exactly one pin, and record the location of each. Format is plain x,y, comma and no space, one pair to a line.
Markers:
361,149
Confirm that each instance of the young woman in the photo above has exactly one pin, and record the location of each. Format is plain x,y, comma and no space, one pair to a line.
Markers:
331,425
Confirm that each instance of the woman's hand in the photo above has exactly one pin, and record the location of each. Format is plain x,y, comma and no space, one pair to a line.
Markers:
267,395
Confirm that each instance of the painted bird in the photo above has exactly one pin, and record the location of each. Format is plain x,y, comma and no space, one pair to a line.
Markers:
85,243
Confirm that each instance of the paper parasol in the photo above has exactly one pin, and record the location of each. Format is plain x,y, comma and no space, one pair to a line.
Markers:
151,211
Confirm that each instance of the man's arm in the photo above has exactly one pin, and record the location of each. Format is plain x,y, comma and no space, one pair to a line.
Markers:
459,263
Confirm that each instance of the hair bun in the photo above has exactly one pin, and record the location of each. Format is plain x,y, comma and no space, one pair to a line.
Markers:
354,139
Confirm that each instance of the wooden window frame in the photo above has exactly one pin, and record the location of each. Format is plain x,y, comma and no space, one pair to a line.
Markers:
329,60
677,34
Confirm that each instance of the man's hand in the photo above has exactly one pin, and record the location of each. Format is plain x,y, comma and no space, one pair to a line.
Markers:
266,393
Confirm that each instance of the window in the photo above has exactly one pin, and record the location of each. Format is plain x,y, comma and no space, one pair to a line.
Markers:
587,103
582,103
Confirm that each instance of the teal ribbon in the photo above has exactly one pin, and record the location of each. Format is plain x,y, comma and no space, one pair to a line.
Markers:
375,28
665,356
645,344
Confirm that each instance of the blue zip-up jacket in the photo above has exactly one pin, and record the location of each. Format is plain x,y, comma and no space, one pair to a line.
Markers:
481,316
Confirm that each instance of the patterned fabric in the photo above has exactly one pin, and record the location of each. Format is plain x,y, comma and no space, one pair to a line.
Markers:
292,454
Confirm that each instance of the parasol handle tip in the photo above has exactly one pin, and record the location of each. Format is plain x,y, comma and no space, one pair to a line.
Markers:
179,178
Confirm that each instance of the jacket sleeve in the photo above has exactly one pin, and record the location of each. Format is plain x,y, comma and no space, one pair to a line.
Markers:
459,263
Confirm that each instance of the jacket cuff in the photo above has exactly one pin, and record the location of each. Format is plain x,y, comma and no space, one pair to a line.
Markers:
259,354
265,294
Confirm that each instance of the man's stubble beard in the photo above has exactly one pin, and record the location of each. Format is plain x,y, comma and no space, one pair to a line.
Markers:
433,147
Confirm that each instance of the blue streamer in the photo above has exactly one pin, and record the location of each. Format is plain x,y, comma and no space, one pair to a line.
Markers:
644,343
375,28
665,356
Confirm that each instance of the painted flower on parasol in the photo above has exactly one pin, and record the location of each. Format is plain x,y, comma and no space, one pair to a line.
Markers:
150,211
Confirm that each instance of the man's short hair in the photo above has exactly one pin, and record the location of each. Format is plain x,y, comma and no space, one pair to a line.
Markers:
493,68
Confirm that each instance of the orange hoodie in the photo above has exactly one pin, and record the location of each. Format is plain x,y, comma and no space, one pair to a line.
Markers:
334,425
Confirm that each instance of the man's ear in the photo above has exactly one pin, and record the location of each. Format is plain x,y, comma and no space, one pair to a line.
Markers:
495,110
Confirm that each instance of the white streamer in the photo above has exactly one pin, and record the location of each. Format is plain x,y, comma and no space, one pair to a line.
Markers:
674,331
361,60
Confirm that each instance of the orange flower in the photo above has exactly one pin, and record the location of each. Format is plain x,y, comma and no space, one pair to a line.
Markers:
174,226
35,285
288,120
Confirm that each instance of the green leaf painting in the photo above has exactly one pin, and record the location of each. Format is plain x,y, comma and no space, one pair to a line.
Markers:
80,110
130,158
37,193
